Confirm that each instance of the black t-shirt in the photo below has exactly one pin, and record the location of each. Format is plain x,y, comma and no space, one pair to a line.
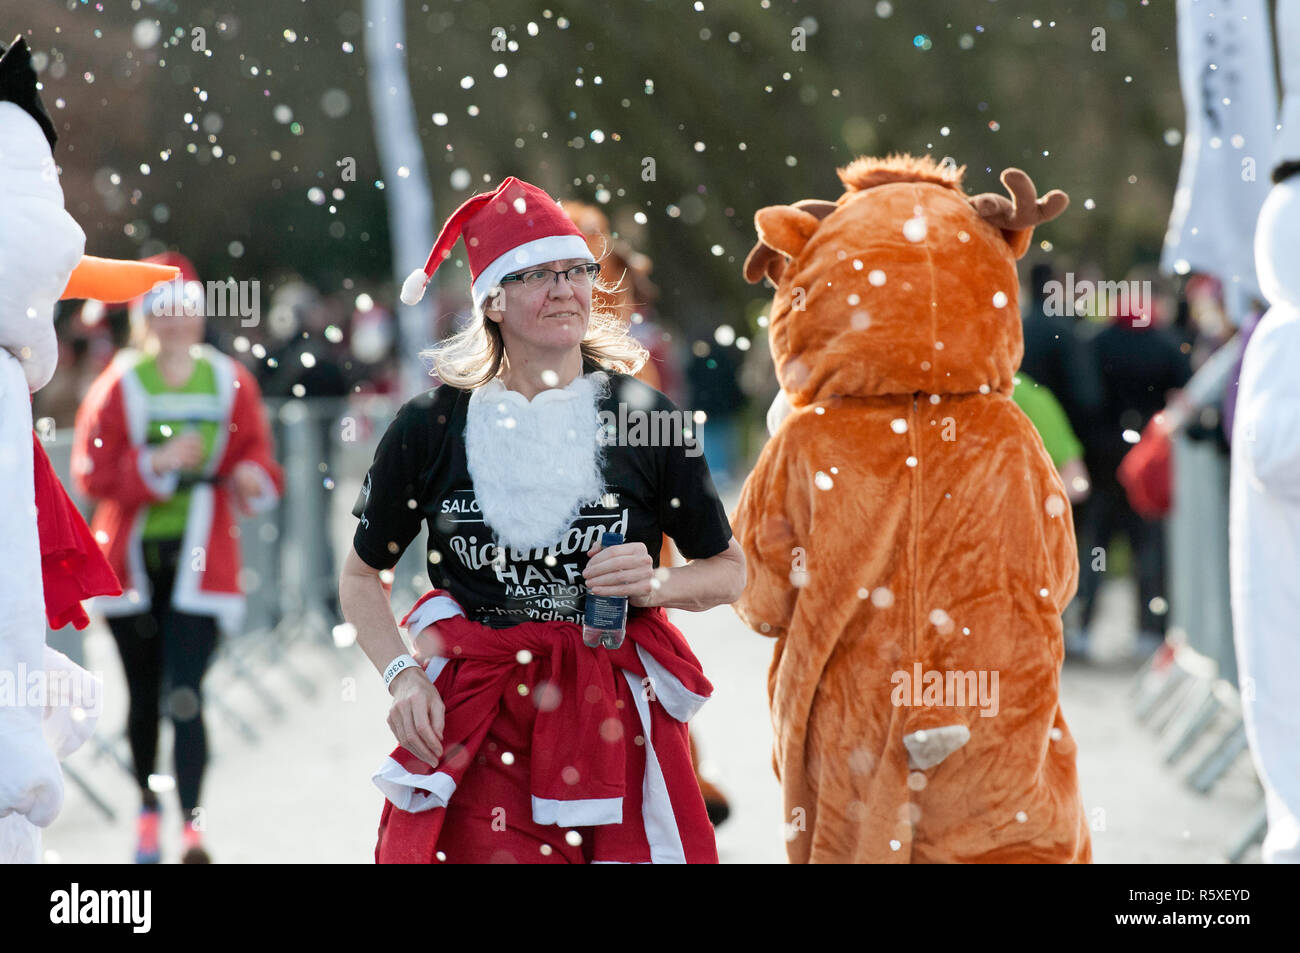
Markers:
420,475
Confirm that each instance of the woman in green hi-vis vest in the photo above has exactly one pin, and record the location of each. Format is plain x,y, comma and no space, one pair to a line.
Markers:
172,441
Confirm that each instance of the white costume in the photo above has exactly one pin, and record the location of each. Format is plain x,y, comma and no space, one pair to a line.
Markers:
40,245
1264,522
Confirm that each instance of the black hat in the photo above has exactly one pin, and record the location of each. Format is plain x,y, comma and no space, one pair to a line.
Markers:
18,85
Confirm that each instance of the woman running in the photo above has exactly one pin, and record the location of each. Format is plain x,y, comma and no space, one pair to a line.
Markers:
520,744
172,441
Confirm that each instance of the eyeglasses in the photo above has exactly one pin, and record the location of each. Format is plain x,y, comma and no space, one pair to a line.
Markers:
579,276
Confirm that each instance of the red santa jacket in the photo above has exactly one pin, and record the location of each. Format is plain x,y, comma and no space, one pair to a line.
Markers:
111,462
609,748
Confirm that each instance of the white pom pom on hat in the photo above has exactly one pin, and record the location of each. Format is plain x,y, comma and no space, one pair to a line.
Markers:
413,286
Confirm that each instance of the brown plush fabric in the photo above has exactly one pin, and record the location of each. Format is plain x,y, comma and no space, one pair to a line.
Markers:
906,512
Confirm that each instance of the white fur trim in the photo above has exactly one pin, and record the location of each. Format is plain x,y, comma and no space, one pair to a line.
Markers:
413,286
656,807
536,252
435,668
187,596
435,610
535,464
135,401
585,812
413,792
223,369
678,700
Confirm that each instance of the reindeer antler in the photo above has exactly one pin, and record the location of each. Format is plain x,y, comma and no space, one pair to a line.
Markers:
765,260
1024,209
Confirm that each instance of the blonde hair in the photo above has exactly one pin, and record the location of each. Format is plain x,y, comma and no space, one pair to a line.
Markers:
472,356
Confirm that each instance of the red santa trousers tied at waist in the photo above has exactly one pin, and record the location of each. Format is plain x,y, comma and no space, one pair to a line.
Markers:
609,747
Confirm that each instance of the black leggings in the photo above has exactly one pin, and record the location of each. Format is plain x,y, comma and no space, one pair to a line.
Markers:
164,649
1106,513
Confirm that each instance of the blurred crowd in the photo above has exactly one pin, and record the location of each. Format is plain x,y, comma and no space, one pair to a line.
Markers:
308,343
1120,372
304,343
1095,373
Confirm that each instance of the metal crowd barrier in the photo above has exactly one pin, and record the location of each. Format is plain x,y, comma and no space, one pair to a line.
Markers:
1187,692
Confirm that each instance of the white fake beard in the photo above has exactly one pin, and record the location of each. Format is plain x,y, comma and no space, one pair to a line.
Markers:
536,463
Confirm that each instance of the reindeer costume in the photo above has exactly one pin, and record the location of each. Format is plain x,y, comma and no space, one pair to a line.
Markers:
908,541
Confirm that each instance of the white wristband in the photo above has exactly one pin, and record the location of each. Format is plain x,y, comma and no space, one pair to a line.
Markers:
396,665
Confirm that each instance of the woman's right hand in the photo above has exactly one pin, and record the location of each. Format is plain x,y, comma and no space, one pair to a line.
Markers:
416,718
182,452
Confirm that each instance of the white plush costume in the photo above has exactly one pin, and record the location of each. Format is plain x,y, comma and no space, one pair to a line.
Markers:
40,245
1264,522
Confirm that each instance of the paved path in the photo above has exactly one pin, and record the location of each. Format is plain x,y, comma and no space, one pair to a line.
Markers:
303,793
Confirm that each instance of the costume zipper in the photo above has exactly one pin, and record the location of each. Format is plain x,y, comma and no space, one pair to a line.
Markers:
914,444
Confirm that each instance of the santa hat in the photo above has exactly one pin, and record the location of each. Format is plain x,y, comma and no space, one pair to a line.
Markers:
186,287
513,227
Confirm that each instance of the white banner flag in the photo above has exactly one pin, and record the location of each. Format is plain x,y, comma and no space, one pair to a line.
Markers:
1287,148
1225,66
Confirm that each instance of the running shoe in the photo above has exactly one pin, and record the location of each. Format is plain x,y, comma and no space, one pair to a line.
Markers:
146,833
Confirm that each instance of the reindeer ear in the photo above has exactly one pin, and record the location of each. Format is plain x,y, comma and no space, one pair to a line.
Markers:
783,230
763,260
1019,241
1016,216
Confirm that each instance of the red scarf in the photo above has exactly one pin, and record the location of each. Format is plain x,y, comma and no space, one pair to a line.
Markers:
581,774
72,566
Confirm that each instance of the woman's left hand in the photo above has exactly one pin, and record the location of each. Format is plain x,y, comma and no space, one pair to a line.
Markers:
245,485
622,570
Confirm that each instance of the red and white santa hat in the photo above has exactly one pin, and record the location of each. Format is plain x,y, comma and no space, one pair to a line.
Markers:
184,294
515,226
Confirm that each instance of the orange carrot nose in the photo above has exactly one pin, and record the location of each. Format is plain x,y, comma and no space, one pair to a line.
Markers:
108,279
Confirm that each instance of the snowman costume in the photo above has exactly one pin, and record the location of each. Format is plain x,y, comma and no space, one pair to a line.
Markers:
1264,514
40,245
48,705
